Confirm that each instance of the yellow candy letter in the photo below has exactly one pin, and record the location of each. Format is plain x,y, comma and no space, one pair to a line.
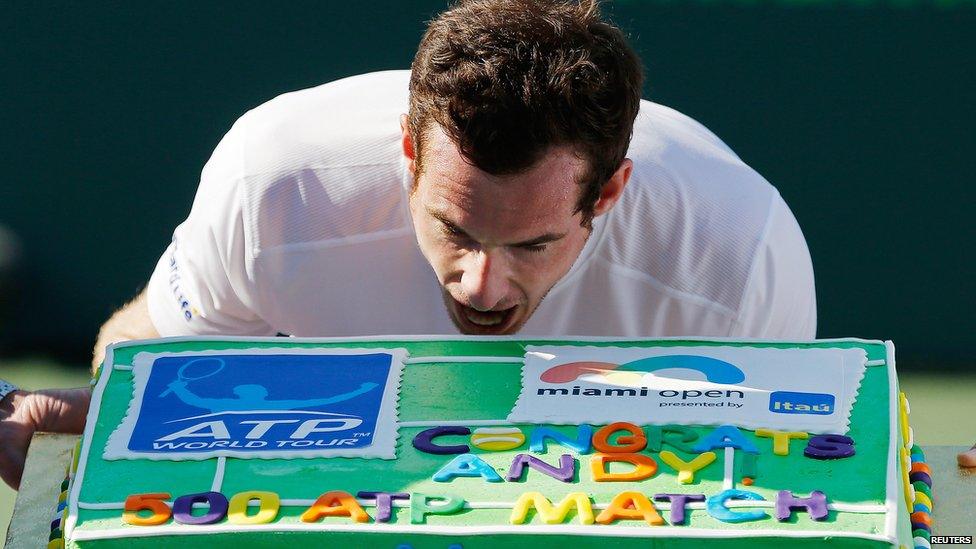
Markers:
335,504
781,439
686,470
550,514
268,505
630,505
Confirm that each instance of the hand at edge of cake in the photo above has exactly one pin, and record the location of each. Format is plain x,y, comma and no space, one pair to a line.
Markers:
967,458
24,413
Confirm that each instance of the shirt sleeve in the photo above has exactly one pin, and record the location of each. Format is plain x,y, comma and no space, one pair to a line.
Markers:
203,283
780,300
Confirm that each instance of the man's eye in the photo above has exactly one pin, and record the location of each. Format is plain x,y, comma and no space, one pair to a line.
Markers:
534,248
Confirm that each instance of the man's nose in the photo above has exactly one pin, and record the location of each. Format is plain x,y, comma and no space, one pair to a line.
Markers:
485,279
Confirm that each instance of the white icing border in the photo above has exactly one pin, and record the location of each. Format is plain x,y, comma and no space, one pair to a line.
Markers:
471,338
893,483
566,529
384,436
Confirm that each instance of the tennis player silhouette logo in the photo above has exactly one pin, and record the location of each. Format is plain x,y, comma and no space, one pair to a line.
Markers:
248,397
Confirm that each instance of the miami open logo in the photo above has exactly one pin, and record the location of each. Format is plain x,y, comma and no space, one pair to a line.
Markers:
285,404
746,386
636,372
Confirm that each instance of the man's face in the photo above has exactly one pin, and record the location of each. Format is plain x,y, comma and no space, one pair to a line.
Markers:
497,244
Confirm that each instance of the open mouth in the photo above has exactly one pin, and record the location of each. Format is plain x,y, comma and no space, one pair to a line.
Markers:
484,322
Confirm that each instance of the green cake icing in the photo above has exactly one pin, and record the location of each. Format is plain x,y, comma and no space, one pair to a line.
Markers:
865,493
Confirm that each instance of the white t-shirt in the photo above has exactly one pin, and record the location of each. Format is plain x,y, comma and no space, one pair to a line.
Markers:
300,226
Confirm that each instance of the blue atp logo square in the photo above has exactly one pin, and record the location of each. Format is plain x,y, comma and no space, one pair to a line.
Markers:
196,406
789,402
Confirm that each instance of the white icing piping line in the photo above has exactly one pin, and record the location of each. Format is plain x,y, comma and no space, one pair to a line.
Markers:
469,359
660,506
893,481
879,362
122,367
728,481
218,480
572,529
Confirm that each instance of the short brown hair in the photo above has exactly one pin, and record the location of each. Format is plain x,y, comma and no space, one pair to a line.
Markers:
508,79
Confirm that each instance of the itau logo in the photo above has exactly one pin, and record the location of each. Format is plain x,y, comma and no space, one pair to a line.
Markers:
244,405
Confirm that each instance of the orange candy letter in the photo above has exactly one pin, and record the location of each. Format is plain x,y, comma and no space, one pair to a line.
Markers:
630,506
147,502
335,504
644,467
626,444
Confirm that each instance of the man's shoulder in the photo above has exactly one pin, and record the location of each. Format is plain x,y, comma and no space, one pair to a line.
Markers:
313,161
694,216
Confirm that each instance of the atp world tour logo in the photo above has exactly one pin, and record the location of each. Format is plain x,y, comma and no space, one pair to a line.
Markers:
278,403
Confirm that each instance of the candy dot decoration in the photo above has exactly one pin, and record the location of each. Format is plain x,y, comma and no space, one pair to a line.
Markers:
268,506
216,503
153,503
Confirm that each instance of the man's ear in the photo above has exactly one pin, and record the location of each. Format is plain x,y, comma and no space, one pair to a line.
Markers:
613,188
406,142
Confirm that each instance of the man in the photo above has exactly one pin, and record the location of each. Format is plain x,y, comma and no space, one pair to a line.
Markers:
522,174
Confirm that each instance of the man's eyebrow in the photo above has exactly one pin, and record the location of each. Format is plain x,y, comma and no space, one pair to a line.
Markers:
453,228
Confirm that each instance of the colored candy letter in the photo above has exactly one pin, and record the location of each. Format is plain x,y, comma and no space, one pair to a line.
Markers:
816,505
678,504
626,444
146,502
565,472
644,467
183,508
717,509
726,436
467,465
829,447
424,441
384,503
686,470
781,439
268,505
537,440
335,504
420,506
630,506
550,514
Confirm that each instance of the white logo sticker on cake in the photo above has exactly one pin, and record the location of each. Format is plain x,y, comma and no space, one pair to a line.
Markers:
261,403
811,390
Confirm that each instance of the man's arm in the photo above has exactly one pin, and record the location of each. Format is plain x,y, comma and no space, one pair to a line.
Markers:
130,322
23,413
